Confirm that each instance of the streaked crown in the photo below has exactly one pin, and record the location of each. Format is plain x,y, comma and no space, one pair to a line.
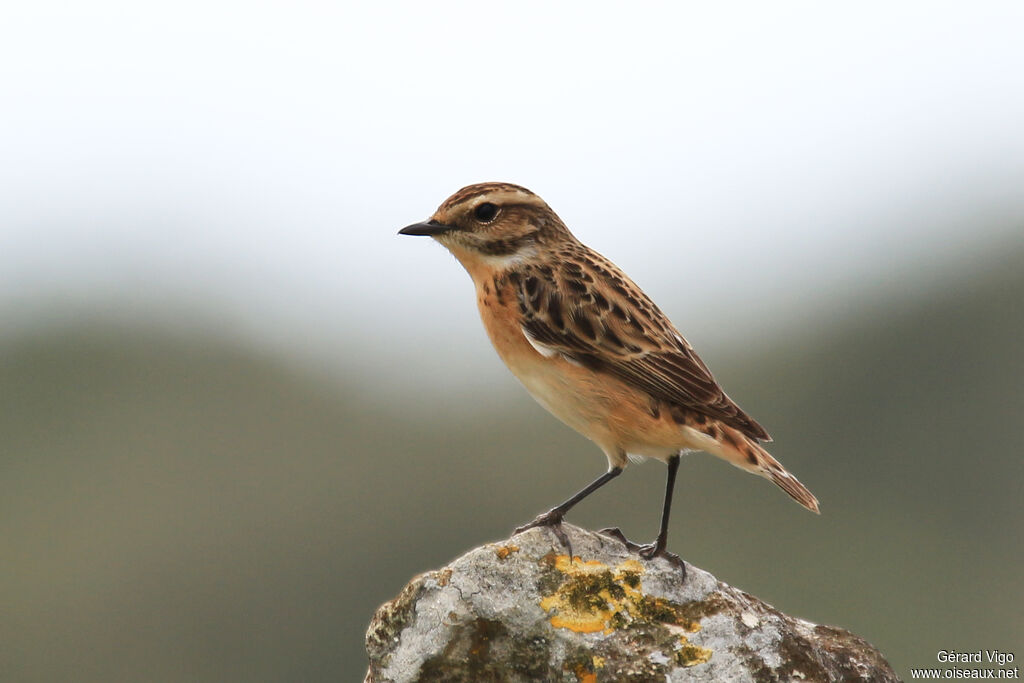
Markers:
493,220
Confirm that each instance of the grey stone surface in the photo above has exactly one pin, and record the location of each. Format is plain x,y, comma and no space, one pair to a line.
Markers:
518,610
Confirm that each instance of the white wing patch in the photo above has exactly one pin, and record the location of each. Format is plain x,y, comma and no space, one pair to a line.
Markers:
546,351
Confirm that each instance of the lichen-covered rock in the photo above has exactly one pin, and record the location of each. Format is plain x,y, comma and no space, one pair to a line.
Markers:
520,610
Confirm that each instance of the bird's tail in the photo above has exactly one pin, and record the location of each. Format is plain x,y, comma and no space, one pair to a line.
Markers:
790,484
747,454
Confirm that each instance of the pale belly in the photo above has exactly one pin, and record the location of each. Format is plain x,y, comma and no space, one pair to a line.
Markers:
615,416
582,410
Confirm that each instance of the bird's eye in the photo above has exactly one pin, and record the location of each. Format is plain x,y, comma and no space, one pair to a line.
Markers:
486,212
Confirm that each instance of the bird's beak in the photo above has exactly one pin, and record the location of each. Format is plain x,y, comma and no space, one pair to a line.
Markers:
430,227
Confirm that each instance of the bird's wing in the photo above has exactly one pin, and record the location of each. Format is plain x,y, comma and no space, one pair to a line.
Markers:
588,311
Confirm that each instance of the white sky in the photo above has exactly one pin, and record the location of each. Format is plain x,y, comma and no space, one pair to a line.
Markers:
256,159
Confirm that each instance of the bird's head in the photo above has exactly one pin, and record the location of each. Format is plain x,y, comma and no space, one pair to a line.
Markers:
493,224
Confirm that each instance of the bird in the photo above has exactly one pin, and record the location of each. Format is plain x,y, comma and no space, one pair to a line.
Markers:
593,349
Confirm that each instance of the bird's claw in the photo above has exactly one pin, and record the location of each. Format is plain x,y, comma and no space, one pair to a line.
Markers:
652,550
553,520
616,533
648,551
549,518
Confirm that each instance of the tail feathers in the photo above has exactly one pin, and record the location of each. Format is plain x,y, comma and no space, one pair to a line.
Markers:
757,460
788,483
737,448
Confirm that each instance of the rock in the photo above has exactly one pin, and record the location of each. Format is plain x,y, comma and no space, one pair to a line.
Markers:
519,610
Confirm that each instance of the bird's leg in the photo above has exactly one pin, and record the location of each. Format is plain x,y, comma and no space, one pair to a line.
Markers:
553,517
656,549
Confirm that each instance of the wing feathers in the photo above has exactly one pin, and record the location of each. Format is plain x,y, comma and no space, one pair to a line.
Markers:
590,312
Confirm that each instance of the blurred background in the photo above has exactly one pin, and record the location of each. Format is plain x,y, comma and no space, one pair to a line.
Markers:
237,412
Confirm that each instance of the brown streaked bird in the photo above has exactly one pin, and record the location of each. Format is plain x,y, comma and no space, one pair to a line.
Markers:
592,348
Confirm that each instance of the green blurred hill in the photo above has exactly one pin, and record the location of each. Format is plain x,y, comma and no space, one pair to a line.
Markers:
178,507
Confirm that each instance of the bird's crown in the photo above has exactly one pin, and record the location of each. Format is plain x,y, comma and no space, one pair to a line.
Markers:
497,220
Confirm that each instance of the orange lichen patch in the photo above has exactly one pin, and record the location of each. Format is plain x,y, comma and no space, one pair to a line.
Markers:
595,597
586,672
584,676
504,551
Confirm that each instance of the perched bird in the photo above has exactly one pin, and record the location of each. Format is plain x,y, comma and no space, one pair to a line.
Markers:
592,348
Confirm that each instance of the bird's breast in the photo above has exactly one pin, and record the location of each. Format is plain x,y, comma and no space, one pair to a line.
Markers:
602,408
577,396
498,303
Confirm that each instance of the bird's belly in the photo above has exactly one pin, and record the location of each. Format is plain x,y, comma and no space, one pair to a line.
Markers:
602,409
568,400
617,417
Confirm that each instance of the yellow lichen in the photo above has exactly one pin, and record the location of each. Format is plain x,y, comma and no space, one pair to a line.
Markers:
504,551
691,655
595,598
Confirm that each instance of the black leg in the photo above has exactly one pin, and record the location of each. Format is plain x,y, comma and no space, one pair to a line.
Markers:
670,485
657,549
553,517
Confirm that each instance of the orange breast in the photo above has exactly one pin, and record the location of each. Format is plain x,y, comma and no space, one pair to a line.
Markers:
605,410
499,311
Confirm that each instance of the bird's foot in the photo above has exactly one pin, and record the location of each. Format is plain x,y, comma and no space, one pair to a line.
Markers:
648,551
616,533
652,550
553,520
